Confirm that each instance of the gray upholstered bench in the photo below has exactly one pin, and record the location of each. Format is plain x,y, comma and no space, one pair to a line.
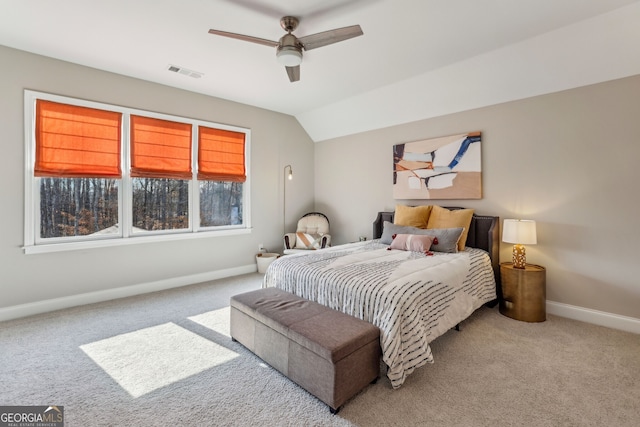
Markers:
328,353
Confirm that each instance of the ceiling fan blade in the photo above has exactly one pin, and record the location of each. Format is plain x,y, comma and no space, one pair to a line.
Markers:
244,38
293,73
329,37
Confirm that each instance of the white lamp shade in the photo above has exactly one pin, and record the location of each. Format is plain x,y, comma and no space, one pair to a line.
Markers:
519,231
289,56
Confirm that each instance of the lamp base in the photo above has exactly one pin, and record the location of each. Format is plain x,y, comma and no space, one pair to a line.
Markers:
519,256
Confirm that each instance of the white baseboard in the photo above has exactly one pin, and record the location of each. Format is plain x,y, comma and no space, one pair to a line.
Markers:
601,318
45,306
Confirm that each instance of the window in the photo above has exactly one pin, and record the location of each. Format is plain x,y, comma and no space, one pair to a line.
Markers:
160,171
99,175
221,172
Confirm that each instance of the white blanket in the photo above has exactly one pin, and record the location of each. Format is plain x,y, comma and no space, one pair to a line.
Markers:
411,297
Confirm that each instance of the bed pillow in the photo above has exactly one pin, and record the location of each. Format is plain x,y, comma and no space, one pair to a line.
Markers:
412,242
412,216
447,237
308,241
445,218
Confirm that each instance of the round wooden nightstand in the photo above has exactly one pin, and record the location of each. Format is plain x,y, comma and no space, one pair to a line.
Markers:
524,292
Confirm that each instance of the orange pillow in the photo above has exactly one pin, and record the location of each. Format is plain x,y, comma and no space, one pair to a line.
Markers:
445,218
412,216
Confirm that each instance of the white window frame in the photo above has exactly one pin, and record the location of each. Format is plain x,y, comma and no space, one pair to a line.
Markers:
33,243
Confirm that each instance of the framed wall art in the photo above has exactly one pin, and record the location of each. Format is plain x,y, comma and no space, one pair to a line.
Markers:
448,167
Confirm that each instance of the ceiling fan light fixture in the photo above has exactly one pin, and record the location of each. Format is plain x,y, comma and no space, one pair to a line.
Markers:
289,47
289,56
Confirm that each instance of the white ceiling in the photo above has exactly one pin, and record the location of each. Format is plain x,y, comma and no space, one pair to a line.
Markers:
416,59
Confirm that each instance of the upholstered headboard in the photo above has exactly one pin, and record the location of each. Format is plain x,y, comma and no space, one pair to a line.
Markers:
484,233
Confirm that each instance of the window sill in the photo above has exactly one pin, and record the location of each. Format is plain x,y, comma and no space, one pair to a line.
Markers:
106,243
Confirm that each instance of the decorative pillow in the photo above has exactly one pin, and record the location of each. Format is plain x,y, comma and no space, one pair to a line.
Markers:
389,229
445,218
308,241
412,216
447,237
412,242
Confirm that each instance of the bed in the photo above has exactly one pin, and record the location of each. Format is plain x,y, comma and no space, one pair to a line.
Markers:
412,297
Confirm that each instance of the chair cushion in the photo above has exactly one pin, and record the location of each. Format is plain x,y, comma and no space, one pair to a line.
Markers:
313,224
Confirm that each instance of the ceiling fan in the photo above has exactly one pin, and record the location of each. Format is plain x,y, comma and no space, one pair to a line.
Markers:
289,47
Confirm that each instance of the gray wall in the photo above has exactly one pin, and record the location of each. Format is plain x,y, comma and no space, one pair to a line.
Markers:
568,160
277,140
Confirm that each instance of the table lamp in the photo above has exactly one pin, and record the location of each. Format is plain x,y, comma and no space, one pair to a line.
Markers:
520,232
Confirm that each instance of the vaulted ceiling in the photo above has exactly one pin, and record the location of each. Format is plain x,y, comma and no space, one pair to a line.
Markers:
417,58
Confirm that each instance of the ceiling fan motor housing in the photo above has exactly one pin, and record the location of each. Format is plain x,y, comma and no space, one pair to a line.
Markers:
289,23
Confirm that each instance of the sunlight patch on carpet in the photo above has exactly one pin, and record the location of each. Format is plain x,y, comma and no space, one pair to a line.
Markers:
217,320
151,358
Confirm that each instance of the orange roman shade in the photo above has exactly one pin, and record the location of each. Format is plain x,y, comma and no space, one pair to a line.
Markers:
160,148
221,155
73,141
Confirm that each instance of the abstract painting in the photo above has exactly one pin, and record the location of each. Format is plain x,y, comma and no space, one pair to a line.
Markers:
448,167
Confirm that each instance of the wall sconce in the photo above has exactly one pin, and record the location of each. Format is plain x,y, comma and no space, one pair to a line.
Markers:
520,232
289,176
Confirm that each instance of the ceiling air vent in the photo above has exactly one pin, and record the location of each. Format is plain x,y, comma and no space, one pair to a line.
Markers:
185,71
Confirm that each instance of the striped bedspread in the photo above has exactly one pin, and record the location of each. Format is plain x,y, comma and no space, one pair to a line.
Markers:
411,297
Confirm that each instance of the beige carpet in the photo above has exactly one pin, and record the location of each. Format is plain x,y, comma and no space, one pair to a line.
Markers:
165,359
